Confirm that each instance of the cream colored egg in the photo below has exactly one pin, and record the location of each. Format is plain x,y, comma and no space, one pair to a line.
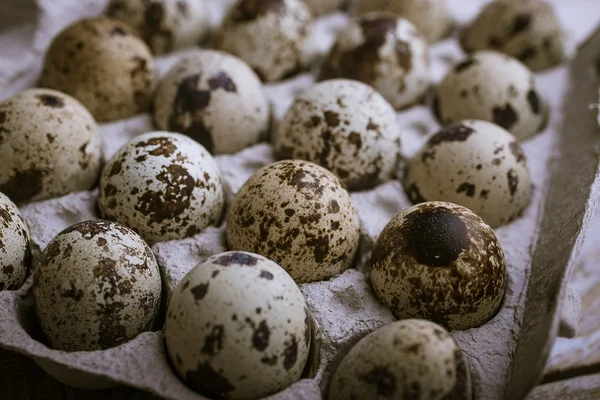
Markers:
297,214
164,186
96,286
439,261
15,251
49,146
237,327
476,164
215,99
103,64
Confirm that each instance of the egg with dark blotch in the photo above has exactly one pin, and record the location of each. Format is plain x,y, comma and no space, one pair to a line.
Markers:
237,327
15,248
439,261
321,7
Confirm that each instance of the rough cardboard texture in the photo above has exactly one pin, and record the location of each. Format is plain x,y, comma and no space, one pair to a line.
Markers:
343,309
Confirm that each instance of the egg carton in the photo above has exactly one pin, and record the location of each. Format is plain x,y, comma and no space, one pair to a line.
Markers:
506,354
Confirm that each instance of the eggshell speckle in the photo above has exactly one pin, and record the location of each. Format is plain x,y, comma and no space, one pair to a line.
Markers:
214,98
49,146
475,164
385,52
96,286
409,359
272,36
238,328
297,214
320,7
439,261
493,87
15,251
103,64
346,127
163,185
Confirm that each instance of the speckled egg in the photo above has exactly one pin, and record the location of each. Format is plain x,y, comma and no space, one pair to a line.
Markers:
346,127
475,164
439,261
15,251
528,30
215,99
272,36
49,146
297,214
96,286
431,17
165,25
385,52
103,64
409,359
320,7
163,185
493,87
238,328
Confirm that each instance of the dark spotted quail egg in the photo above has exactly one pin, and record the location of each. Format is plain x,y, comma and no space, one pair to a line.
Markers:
528,30
165,25
15,253
385,52
409,359
493,87
272,36
49,146
237,328
96,286
103,64
214,98
431,17
439,261
320,7
475,164
297,214
346,127
163,185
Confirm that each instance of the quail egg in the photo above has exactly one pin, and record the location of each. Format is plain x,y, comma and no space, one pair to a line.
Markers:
165,25
439,261
214,98
272,36
297,214
385,52
346,127
49,146
409,359
475,164
493,87
15,251
103,64
96,286
431,17
163,185
237,327
320,7
528,30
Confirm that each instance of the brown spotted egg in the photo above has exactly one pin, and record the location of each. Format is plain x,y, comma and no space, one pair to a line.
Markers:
49,146
96,286
493,87
297,214
103,64
163,185
475,164
15,251
215,99
386,52
320,7
431,17
272,36
528,30
439,261
409,359
346,127
238,328
165,25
